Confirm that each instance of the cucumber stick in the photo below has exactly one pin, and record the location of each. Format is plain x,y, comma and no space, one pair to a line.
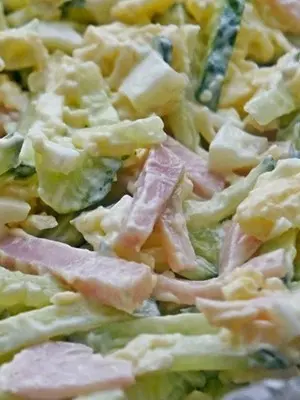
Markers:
225,28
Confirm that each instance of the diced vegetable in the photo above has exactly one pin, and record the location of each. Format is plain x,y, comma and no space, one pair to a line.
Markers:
121,139
275,213
80,183
153,86
59,35
37,223
13,210
266,106
10,147
25,42
233,149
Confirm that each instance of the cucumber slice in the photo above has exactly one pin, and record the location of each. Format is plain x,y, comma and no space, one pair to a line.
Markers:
10,147
225,29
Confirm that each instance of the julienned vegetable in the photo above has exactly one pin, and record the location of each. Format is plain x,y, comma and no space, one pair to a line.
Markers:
68,314
137,261
225,28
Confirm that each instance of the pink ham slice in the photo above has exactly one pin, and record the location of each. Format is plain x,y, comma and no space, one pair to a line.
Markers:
60,370
206,183
186,292
111,281
155,186
181,291
269,264
237,247
175,237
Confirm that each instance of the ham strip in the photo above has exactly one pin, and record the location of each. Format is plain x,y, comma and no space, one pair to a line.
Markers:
181,291
269,264
60,370
237,247
206,183
111,281
175,237
186,292
155,185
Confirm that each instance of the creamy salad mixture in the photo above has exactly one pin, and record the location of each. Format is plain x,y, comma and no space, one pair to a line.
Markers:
149,199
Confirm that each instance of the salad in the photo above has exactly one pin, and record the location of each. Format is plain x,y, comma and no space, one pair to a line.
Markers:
149,199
